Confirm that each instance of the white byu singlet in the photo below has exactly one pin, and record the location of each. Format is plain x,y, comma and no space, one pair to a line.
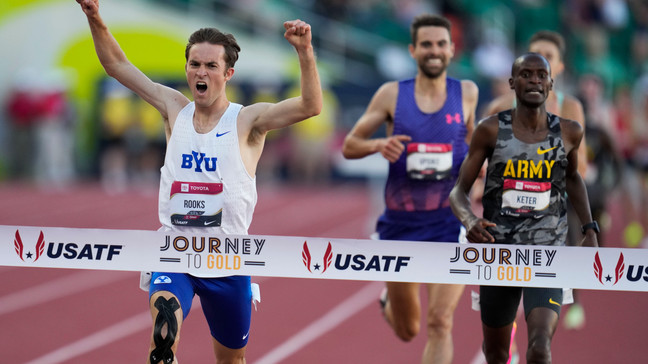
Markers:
204,186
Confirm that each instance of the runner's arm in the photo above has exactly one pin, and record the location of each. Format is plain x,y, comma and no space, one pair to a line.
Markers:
271,116
470,95
481,147
358,142
114,61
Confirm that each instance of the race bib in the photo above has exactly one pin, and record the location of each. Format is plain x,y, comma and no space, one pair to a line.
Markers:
196,204
429,161
525,198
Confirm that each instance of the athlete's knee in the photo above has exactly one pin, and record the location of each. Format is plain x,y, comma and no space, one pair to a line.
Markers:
539,349
496,355
439,321
165,336
406,325
407,330
236,358
225,355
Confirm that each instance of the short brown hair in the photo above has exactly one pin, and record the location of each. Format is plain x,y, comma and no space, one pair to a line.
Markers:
426,20
550,36
215,36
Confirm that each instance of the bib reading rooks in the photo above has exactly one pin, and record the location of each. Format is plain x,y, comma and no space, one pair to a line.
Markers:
429,161
196,204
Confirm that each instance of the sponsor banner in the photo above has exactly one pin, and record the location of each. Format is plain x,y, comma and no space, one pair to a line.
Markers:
322,258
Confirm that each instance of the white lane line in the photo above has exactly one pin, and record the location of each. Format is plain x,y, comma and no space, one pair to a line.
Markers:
58,288
321,326
98,339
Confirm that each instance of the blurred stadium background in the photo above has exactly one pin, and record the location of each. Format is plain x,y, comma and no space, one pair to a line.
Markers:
63,122
63,119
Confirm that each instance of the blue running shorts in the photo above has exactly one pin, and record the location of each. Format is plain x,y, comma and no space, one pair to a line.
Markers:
436,226
226,302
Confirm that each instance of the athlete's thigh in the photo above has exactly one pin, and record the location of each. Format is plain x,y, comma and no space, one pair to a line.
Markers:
178,285
404,299
499,305
170,297
535,297
227,305
443,298
542,309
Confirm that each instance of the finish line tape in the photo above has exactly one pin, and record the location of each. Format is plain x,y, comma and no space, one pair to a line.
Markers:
322,258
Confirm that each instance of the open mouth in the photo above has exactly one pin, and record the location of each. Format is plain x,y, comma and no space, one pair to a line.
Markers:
201,87
535,92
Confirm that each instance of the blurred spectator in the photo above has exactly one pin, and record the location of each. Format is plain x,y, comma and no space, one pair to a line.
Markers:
41,132
131,140
640,153
597,107
493,55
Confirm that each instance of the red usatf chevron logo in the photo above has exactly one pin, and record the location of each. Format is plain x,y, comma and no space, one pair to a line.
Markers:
40,247
306,258
618,271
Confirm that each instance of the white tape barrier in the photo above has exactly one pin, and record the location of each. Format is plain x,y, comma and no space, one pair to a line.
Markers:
303,257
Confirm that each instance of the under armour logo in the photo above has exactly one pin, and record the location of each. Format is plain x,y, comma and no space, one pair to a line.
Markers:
456,118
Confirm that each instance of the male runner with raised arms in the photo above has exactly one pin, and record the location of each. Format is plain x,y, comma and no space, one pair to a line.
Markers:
532,167
429,122
208,180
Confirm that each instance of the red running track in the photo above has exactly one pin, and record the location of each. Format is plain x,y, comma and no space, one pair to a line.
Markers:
78,316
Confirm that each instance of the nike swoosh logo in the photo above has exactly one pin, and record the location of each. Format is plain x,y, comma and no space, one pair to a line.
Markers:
543,151
246,335
553,302
218,135
209,222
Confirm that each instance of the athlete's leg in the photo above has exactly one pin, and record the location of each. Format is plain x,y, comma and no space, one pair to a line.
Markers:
167,321
498,307
442,302
170,298
541,324
403,309
542,309
227,305
225,355
496,343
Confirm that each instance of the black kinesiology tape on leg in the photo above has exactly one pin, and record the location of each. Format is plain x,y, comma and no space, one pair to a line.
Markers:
166,315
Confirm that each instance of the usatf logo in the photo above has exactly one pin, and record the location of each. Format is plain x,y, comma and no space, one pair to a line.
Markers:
40,247
66,250
618,271
357,262
306,258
